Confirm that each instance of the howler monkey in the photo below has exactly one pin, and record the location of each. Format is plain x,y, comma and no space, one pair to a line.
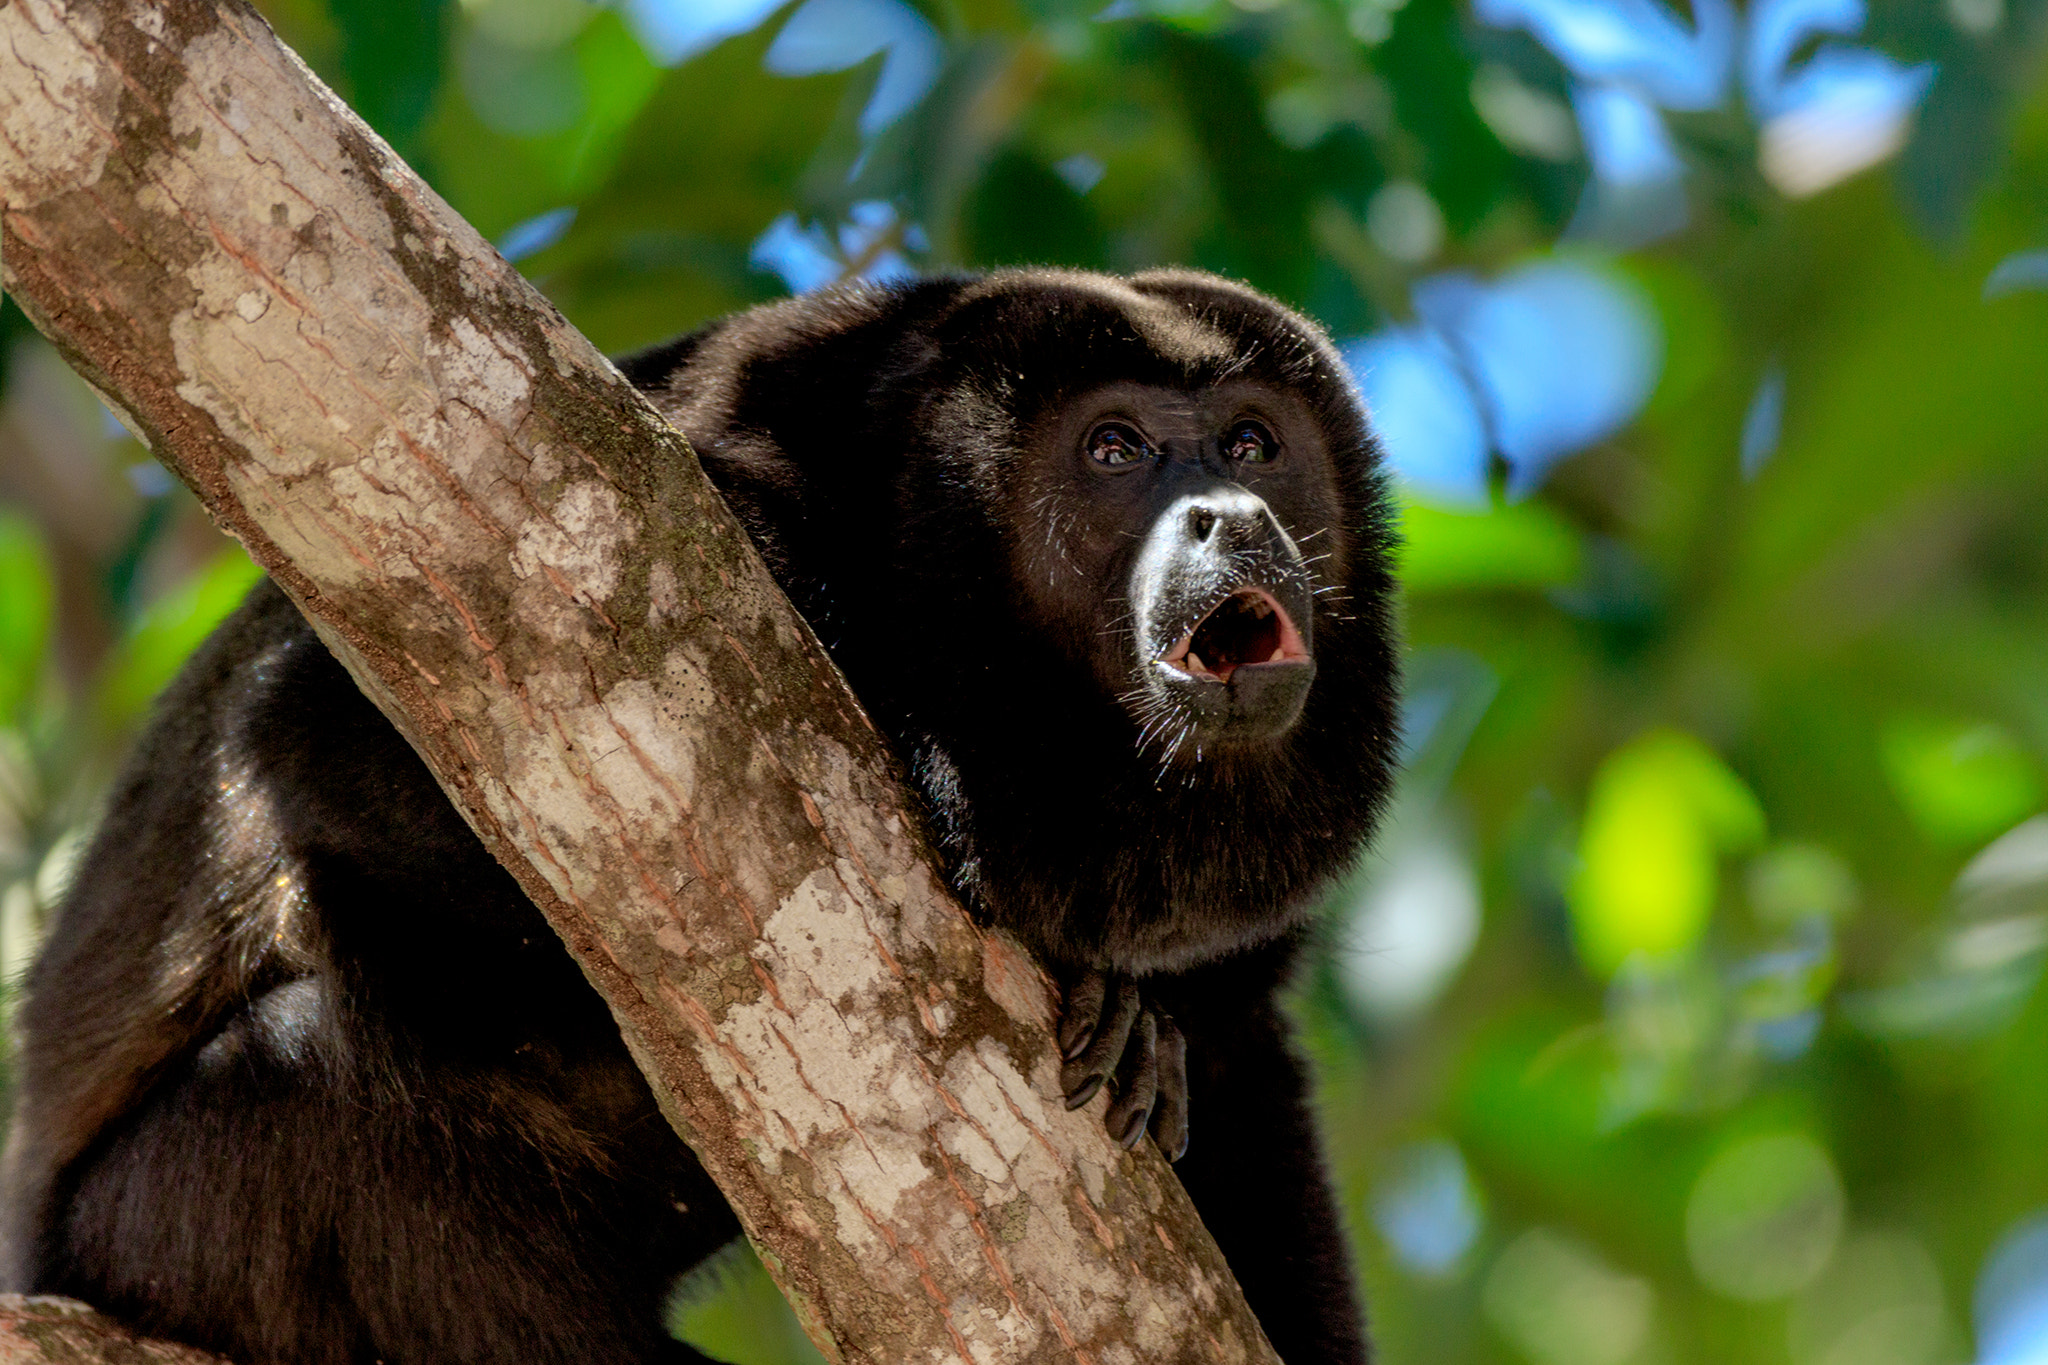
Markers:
1107,560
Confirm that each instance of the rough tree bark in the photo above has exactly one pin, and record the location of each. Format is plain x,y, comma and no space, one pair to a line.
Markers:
525,568
43,1330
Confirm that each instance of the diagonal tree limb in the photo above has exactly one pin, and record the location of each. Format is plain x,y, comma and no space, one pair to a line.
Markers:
42,1329
525,568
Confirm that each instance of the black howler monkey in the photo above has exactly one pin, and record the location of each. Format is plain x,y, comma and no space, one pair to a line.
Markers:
1107,559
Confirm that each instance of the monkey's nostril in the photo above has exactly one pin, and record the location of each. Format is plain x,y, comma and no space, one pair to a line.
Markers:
1201,521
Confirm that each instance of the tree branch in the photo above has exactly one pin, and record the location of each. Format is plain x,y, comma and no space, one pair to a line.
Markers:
525,568
41,1329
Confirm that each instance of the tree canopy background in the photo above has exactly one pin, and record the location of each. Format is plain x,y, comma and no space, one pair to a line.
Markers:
1690,1008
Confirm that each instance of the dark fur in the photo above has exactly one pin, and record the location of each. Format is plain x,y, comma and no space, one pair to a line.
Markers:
258,1114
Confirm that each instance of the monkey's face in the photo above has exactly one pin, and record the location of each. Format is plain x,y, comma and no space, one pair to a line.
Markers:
1165,533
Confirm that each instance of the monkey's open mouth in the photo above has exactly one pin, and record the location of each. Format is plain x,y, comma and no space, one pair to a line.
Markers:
1246,628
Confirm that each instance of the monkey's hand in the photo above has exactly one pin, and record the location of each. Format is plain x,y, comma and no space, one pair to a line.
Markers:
1110,1032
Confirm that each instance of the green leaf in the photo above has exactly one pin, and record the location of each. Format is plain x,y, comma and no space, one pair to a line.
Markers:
496,179
717,151
14,325
392,59
27,608
1960,781
1022,213
1522,545
731,1310
169,629
1661,810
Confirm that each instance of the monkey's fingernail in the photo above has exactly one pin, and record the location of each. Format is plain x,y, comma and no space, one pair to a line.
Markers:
1079,1045
1083,1092
1134,1131
1180,1149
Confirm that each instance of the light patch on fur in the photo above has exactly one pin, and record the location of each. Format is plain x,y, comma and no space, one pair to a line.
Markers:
1166,326
257,917
1177,334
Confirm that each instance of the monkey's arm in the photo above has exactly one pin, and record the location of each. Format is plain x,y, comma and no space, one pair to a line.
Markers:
1254,1166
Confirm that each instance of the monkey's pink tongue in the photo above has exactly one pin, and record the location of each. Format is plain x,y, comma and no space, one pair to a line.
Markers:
1247,627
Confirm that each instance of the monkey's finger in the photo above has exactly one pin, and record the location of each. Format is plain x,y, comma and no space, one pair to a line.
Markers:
1083,1076
1083,1012
1137,1084
1170,1113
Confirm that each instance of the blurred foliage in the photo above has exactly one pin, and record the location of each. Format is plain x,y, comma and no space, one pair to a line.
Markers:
1690,1008
1660,812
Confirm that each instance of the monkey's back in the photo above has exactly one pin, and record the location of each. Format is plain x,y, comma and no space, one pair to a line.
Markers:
294,1028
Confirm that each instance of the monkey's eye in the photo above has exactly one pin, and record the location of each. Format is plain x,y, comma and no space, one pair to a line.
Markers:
1251,442
1116,445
